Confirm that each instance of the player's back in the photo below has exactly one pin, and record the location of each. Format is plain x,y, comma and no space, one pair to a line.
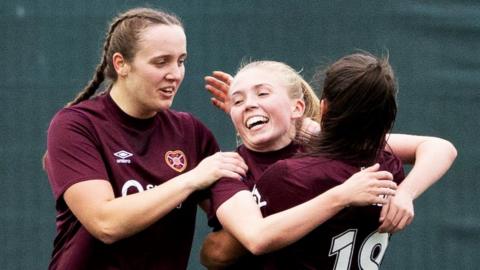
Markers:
349,240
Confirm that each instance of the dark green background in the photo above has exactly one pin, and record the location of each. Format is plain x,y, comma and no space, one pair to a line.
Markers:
48,51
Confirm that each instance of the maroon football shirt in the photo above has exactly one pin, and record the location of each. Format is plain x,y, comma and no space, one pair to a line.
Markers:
257,163
97,140
225,188
348,240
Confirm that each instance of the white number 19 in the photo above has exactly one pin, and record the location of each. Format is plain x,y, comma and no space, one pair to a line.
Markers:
343,244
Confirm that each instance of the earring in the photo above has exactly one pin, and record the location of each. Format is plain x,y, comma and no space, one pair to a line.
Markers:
238,139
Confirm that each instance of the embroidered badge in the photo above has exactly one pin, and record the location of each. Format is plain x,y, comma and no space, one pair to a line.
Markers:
176,160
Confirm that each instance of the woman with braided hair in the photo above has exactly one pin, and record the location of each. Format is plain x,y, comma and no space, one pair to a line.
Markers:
125,170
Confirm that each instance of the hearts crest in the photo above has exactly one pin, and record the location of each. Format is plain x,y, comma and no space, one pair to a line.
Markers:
176,160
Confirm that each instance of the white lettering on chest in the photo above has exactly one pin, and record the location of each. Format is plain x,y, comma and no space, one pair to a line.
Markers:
137,187
258,198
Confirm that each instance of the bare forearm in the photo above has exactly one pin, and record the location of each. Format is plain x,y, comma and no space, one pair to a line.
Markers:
137,211
242,218
432,160
121,217
284,228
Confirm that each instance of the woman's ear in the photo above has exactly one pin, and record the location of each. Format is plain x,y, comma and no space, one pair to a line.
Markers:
298,108
323,107
121,66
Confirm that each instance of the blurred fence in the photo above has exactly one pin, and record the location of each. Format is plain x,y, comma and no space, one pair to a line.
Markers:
48,51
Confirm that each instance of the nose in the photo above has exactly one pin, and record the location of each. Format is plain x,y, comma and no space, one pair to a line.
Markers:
175,72
251,102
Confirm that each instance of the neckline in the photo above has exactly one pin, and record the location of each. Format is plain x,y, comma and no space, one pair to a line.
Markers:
126,119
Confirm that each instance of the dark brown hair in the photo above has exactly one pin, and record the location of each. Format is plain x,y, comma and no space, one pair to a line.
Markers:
122,37
360,92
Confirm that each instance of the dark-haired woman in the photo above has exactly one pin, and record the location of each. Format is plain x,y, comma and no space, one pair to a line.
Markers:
358,109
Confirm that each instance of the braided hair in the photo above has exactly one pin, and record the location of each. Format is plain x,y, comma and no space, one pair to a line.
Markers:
122,37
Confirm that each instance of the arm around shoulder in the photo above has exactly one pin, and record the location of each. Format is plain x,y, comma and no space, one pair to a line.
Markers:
431,158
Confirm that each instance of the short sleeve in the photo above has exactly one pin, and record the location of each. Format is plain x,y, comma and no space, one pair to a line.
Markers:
72,152
207,146
282,187
223,190
394,165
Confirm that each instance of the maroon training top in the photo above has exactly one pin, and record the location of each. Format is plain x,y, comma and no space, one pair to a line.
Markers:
349,240
225,188
97,140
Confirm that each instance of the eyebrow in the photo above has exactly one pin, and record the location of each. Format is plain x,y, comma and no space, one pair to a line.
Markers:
167,56
256,87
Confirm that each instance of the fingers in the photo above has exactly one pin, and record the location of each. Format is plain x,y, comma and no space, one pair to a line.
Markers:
216,92
396,220
387,224
404,222
384,211
223,76
232,165
219,89
379,175
235,158
372,168
310,126
219,85
385,192
387,184
219,104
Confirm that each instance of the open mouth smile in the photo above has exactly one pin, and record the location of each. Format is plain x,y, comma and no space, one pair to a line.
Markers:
256,120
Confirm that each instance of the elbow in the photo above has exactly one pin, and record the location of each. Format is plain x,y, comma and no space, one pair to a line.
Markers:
452,151
107,238
105,233
259,241
257,249
258,245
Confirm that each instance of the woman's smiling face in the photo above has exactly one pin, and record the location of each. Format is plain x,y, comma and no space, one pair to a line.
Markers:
262,111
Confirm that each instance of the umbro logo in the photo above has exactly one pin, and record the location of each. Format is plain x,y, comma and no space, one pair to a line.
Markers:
123,156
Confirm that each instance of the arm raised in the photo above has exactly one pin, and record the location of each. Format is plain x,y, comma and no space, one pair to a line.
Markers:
431,158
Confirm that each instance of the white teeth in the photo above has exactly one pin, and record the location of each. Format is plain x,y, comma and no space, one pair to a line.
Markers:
167,89
255,120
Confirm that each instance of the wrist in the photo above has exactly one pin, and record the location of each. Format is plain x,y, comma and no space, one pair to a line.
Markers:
407,191
338,198
189,181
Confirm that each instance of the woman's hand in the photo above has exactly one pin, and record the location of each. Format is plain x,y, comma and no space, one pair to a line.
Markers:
398,213
220,249
216,166
368,186
308,129
218,85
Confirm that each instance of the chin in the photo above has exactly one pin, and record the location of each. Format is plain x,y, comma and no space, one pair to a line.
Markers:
165,105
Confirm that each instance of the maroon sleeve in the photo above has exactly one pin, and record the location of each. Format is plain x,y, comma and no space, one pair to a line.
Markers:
278,189
207,146
221,191
72,154
394,165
